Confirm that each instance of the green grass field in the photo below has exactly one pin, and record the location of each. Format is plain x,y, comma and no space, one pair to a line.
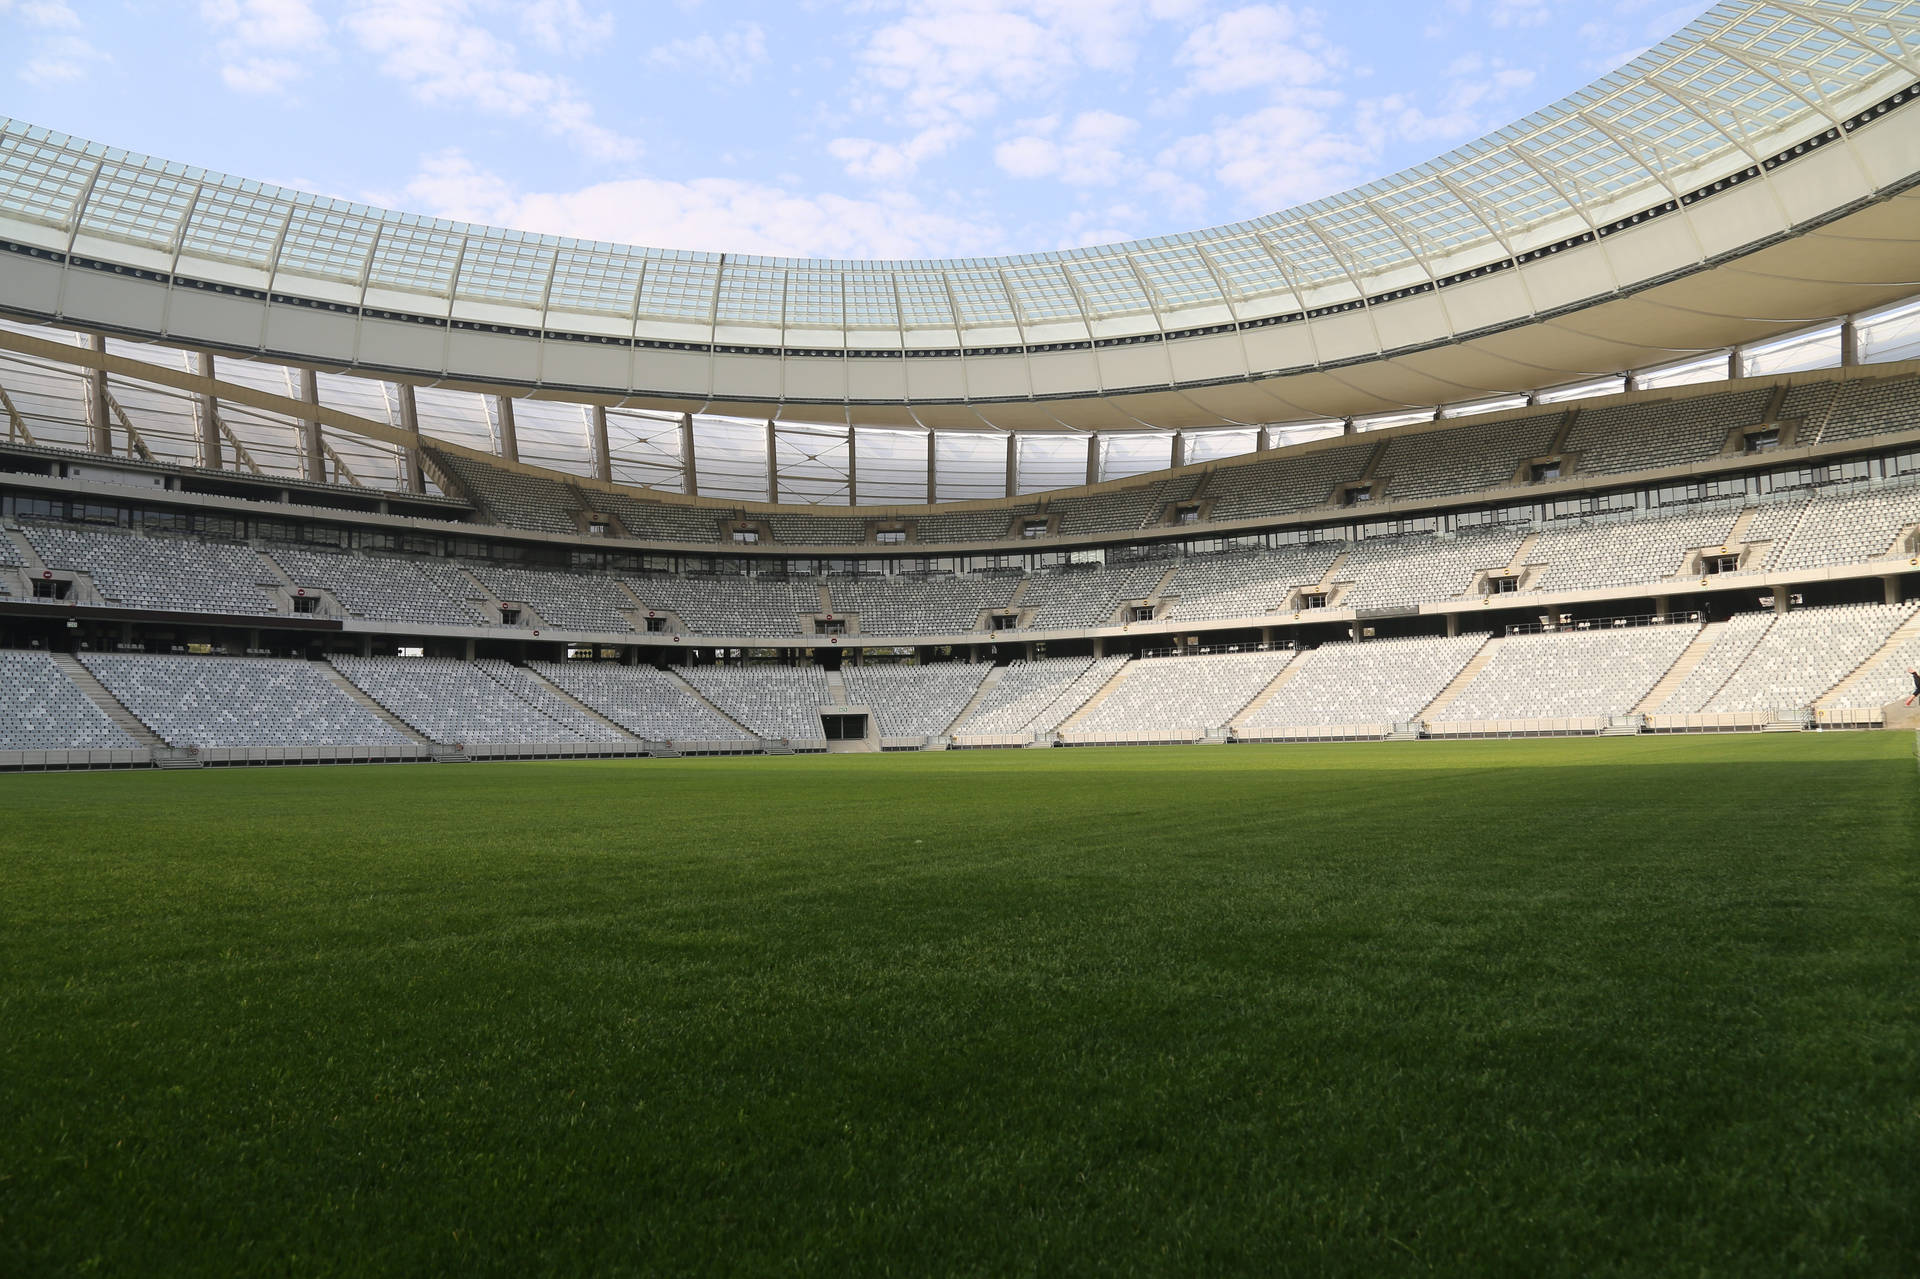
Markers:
1560,1007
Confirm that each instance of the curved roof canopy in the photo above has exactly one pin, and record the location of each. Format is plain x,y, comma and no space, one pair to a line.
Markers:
1353,278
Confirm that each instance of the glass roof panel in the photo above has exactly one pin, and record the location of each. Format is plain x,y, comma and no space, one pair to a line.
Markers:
1042,294
40,181
138,205
596,280
678,288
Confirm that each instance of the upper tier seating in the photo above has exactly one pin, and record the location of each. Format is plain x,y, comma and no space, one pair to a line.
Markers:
1851,528
1773,524
659,521
1733,641
535,693
1285,484
1182,696
1378,682
453,702
1625,552
513,498
914,701
777,702
1401,572
1571,673
970,526
175,574
1246,583
921,606
1083,595
1805,653
1461,460
1872,406
9,558
238,702
568,601
731,605
1131,507
41,710
382,589
642,700
1637,437
1034,697
817,530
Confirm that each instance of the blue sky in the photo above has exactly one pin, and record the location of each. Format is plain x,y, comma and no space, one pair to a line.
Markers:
857,128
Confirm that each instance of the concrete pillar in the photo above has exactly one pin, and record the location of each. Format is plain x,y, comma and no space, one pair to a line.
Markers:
99,416
366,646
1453,625
1736,365
1632,382
1346,426
1099,646
313,456
1890,588
1178,457
689,469
773,467
472,648
410,423
1093,458
602,449
1849,343
933,469
1780,602
1266,637
853,468
1262,440
509,433
1013,464
1662,605
209,415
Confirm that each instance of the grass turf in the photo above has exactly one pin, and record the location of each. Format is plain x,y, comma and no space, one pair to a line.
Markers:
1595,1007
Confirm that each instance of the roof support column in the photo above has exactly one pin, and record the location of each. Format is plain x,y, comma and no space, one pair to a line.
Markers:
853,469
1346,426
509,433
773,467
933,468
99,416
1263,440
602,448
1179,455
1736,365
410,423
313,459
1849,343
1013,464
689,468
1093,458
209,409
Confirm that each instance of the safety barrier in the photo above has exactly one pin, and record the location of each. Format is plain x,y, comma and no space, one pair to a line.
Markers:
34,761
1570,726
1315,733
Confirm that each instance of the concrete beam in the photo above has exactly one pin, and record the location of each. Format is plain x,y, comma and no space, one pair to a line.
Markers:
509,433
689,466
209,409
99,417
602,447
313,458
416,479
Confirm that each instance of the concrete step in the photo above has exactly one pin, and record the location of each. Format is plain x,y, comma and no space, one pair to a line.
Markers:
1682,667
365,698
1274,685
994,676
1098,696
562,695
700,697
1458,685
129,723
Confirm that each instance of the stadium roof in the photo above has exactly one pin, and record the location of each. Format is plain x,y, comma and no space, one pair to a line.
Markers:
1673,166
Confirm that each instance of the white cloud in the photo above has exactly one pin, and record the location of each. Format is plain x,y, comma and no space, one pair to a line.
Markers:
732,55
565,26
58,49
1088,153
265,46
1258,47
702,213
448,59
874,161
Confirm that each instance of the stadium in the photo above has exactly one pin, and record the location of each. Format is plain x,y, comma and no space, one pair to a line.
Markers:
1377,737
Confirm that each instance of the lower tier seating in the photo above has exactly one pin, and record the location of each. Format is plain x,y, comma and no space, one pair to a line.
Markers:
41,710
238,702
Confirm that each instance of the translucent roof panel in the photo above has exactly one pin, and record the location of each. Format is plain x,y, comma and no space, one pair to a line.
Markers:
1685,112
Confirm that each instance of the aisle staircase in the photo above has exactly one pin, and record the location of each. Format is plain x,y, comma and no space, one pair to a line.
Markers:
1458,685
128,723
1682,667
1098,696
1906,631
1274,685
366,699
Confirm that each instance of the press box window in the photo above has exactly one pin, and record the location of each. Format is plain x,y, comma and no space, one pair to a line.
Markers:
1765,441
1003,621
1186,514
1356,495
1719,563
746,536
891,536
1544,471
655,625
509,616
1502,584
1313,599
305,603
1033,528
51,589
1140,613
829,626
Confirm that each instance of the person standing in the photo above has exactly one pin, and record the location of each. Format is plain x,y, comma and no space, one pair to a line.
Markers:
1916,685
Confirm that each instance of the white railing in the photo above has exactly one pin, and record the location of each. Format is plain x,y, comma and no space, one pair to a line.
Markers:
982,741
1146,737
126,758
1566,726
1314,733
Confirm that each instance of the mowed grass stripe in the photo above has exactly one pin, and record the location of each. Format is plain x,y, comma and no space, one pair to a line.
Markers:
1594,1006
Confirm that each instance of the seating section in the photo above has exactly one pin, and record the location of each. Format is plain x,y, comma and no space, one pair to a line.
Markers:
1566,674
453,702
1625,552
642,700
1851,528
817,530
1182,696
1638,437
914,701
1088,594
1463,459
1281,485
530,689
41,710
659,521
174,574
1379,682
1401,572
1733,643
969,526
778,702
1805,653
1034,697
731,605
1873,407
239,702
1246,583
921,606
568,601
1131,507
510,497
1887,680
384,590
1773,524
